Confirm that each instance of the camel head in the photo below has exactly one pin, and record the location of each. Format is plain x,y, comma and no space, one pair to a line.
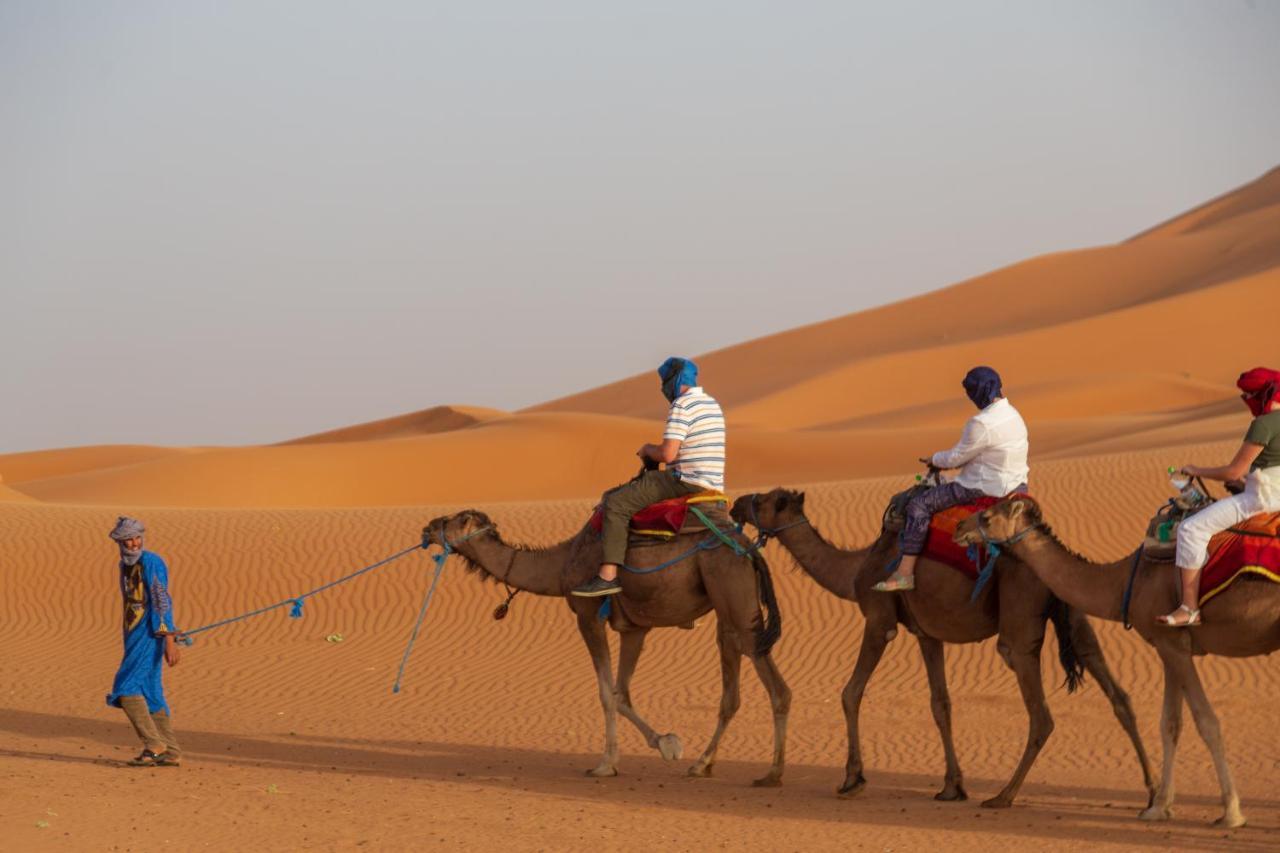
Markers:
455,528
1000,522
769,511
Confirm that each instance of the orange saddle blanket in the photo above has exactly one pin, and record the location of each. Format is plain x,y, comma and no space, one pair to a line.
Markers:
665,518
940,546
1251,547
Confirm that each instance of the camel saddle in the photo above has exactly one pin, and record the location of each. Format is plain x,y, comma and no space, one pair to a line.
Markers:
1250,548
940,545
1162,531
667,519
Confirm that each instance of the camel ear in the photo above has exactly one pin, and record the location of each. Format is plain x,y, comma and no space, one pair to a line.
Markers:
781,503
800,500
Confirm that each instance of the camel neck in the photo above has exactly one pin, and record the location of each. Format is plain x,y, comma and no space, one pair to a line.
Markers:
535,570
1096,589
833,568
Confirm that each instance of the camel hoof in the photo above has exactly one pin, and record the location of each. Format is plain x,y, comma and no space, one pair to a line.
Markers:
1234,821
852,788
999,801
604,771
952,794
1154,813
670,747
700,771
770,781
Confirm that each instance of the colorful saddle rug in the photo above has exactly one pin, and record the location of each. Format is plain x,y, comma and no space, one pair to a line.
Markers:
1251,547
666,519
941,547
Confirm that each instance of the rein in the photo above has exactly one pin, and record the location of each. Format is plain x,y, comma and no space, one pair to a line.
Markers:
447,548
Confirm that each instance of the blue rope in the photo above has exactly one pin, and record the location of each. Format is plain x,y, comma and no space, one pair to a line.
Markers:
439,559
985,573
295,612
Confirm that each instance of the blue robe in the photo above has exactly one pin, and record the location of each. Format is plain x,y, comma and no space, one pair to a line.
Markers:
148,617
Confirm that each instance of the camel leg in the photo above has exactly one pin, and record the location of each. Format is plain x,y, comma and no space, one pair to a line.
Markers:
1211,733
940,703
593,634
1170,730
1025,663
1090,653
632,643
730,699
780,700
875,638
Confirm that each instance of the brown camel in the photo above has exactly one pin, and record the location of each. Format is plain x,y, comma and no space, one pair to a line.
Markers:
1015,607
712,579
1242,621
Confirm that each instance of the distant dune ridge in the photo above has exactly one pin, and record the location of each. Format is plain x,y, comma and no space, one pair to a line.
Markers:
1102,349
1122,358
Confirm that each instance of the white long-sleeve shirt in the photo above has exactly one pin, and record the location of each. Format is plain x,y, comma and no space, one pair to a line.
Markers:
992,452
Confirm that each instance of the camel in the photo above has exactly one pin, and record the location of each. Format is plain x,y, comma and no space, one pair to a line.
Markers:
1014,607
712,579
1242,621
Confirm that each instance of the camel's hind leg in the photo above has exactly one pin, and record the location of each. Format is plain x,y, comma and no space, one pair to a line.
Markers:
875,639
1089,650
631,645
780,700
593,634
940,703
730,698
1170,731
1023,657
1211,733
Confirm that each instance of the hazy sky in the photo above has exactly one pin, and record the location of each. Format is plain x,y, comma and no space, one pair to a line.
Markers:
226,222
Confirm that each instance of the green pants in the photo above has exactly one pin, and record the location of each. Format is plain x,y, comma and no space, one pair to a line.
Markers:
626,500
154,730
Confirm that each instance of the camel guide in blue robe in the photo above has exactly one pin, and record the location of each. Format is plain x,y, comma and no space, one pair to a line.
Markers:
150,641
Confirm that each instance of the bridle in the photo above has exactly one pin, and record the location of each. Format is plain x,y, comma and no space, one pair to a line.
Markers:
767,533
994,547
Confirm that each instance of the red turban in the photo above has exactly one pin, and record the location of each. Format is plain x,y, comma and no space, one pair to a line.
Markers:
1261,387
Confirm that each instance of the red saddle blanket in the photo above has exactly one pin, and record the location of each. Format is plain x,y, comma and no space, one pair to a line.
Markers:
665,518
1251,547
941,547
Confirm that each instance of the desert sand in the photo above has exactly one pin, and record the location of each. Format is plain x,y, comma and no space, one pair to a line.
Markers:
1122,359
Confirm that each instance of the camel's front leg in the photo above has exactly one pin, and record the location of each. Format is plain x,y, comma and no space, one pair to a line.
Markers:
730,667
1211,733
1024,659
1090,653
593,634
1170,731
780,700
628,656
875,638
940,703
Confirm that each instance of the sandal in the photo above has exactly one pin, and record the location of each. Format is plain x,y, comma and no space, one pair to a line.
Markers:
896,583
1173,621
168,759
146,758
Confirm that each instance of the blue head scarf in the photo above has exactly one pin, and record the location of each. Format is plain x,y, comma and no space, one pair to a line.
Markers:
982,384
674,373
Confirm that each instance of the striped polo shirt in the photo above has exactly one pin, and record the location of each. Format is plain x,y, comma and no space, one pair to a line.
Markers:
697,422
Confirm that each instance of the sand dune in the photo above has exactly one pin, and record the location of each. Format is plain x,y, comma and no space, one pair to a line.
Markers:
1122,359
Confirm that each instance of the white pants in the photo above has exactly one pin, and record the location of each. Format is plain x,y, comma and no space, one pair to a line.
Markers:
1260,495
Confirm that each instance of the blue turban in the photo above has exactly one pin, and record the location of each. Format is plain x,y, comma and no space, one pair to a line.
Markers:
982,384
676,372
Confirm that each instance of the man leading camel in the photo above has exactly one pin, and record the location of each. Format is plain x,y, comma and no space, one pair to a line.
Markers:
692,448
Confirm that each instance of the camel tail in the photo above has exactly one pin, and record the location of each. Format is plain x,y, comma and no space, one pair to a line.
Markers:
768,633
1068,656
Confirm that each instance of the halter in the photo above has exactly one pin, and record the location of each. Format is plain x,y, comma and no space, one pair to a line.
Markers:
993,547
767,533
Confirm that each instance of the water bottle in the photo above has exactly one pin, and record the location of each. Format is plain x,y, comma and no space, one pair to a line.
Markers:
1189,497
